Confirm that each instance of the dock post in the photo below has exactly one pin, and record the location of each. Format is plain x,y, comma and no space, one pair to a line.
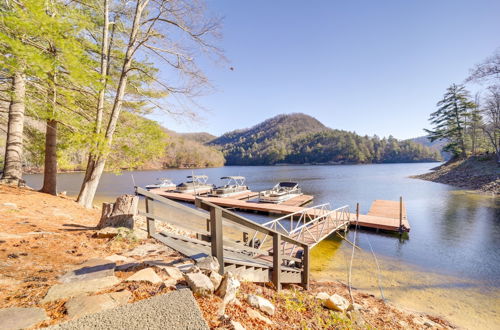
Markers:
216,236
277,261
305,270
150,222
400,213
357,212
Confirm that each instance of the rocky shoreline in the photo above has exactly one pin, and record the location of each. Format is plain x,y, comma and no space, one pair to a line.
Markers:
478,173
91,276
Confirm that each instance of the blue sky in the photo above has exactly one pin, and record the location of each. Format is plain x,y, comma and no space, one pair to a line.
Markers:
373,67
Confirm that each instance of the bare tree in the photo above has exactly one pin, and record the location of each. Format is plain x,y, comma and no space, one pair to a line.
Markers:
491,113
13,170
487,70
167,30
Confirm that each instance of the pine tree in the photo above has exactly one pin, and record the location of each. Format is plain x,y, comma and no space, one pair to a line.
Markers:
450,119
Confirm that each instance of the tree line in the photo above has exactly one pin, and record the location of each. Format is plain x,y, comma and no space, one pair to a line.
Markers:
300,139
86,69
470,125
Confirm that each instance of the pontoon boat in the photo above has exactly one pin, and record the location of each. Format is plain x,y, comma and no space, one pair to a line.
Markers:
235,185
163,183
197,184
281,192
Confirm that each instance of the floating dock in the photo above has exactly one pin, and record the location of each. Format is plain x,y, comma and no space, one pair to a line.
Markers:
383,214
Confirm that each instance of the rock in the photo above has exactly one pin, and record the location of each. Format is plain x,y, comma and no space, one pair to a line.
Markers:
356,318
72,289
146,250
322,296
216,278
193,269
11,205
147,274
228,288
337,303
236,325
208,265
357,307
107,232
174,273
116,257
199,283
253,314
15,318
91,269
261,303
170,283
84,305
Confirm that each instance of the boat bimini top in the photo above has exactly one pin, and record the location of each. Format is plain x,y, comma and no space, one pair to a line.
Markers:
238,180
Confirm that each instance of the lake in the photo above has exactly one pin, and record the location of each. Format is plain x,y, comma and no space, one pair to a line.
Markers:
449,265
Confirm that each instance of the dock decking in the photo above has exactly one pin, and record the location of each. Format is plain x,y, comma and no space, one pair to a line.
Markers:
383,214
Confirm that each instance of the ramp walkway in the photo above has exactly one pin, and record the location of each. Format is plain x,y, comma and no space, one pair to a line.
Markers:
277,251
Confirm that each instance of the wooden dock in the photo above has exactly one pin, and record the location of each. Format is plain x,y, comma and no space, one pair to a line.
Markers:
383,214
241,202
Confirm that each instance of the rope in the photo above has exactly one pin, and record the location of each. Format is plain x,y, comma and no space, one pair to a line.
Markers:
349,282
378,269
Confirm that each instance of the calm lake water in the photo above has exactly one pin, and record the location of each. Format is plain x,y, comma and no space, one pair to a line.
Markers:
449,265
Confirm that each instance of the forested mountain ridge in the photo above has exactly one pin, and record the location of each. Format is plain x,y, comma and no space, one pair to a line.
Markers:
299,139
436,145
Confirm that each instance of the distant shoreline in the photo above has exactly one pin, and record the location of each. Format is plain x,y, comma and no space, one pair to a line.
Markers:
477,173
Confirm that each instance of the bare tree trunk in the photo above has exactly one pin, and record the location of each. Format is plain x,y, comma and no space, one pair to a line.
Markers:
90,183
50,168
94,171
13,169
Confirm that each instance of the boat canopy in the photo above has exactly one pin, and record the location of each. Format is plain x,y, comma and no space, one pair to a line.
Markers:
239,180
288,184
199,178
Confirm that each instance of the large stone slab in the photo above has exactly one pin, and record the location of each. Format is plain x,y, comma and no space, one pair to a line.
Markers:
15,318
84,305
199,283
91,269
147,250
261,303
174,310
146,274
72,289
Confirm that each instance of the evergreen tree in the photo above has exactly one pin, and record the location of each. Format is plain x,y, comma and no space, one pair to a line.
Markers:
450,119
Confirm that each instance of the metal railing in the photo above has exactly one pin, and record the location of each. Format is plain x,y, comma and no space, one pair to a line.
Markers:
310,225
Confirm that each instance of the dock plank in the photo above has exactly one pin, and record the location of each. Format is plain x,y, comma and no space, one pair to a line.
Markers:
383,214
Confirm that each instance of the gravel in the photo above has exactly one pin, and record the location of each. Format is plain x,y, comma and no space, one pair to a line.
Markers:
174,310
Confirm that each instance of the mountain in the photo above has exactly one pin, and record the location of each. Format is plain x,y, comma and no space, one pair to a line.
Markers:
298,138
201,137
435,145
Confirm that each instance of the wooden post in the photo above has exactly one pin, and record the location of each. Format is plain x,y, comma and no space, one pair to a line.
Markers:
357,211
400,212
150,222
277,261
217,238
305,270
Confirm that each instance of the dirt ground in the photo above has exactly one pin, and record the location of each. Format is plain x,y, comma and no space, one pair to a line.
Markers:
43,236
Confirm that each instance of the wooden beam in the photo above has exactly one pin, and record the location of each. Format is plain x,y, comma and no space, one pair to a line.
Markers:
216,234
305,268
150,221
277,261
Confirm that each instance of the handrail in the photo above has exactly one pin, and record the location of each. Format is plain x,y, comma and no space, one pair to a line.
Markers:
317,218
228,215
295,213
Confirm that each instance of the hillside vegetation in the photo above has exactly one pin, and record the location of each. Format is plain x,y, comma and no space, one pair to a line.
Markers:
299,138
